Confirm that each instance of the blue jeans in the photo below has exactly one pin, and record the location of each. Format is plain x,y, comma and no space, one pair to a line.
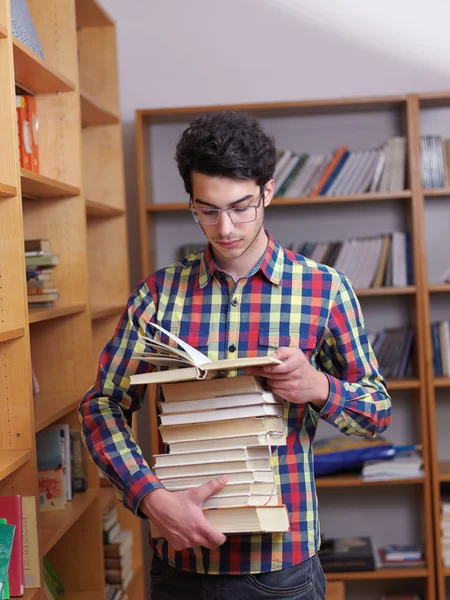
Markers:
305,581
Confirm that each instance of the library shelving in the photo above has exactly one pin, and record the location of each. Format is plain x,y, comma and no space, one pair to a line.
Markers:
77,202
401,511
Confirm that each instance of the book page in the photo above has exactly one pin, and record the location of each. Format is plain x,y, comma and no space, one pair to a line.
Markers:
197,357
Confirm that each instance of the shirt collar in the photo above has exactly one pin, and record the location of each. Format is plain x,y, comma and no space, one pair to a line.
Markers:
271,263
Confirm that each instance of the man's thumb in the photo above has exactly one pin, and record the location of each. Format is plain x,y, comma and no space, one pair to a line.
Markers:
211,487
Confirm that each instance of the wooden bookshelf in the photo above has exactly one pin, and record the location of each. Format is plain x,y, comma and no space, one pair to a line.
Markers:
59,342
157,216
436,288
441,382
444,471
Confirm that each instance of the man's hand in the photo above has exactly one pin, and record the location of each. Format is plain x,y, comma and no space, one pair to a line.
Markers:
179,515
295,380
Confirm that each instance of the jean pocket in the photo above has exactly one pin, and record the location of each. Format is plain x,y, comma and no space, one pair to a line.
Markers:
295,582
160,570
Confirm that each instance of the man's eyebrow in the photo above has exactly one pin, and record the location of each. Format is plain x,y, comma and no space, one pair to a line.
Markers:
243,199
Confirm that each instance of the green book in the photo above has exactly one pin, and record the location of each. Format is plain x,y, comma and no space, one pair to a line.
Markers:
53,576
6,542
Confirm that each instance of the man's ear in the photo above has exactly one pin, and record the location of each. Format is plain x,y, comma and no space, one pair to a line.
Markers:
268,192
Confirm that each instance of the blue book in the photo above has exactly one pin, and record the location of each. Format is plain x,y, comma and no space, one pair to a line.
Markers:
49,449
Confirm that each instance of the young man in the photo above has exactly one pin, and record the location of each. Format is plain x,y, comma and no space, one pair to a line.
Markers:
245,295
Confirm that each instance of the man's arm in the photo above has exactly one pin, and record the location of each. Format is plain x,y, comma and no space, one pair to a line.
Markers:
358,402
106,407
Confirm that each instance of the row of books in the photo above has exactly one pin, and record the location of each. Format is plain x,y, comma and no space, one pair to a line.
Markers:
211,428
393,348
445,529
61,466
408,465
435,161
39,261
19,546
117,551
440,337
373,261
27,126
341,172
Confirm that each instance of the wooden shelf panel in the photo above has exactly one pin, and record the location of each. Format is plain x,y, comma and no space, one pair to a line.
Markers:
107,497
51,406
3,32
444,470
98,210
11,334
54,524
446,571
374,197
386,573
32,594
91,14
441,382
436,193
403,384
386,291
439,288
354,480
99,595
10,460
100,312
36,315
7,191
35,75
94,113
35,185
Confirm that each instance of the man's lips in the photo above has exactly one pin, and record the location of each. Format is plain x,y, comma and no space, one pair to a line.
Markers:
228,243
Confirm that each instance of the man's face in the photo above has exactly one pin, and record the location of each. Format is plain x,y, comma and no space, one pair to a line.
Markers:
230,240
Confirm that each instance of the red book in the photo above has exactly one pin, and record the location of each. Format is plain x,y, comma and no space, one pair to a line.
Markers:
11,510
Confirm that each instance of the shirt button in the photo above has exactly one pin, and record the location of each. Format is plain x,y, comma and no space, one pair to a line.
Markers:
232,348
234,302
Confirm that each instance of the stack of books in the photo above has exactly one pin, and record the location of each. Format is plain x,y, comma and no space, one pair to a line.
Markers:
219,426
401,556
117,550
39,261
405,465
445,529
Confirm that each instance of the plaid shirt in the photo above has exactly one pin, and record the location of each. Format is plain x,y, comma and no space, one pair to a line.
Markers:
287,300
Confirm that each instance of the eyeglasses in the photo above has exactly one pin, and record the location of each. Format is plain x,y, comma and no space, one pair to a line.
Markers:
239,214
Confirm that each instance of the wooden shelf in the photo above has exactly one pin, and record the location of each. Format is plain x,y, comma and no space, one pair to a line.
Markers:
441,382
51,406
107,497
35,75
375,197
11,334
54,524
91,14
7,191
94,113
386,573
403,384
100,312
439,287
10,460
35,185
386,291
32,594
354,480
99,595
446,571
436,193
3,32
444,471
36,315
98,210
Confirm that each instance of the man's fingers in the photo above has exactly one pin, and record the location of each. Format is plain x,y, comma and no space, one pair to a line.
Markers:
202,492
213,538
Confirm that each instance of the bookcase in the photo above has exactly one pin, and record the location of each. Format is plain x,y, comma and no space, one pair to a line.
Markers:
77,202
400,511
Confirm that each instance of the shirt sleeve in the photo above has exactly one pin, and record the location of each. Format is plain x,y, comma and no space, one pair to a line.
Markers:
106,409
358,401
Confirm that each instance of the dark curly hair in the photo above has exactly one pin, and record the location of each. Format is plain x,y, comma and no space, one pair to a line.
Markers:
226,143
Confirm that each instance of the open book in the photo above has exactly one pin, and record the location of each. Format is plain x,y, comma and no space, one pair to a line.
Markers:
197,365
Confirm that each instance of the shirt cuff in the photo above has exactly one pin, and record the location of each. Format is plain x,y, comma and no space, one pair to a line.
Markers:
136,487
335,402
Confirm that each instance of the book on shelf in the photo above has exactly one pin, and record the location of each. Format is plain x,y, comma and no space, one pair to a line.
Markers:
347,554
11,511
7,534
32,572
53,585
196,365
23,27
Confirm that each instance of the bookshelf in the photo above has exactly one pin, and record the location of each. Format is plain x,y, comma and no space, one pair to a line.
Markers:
77,202
407,509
